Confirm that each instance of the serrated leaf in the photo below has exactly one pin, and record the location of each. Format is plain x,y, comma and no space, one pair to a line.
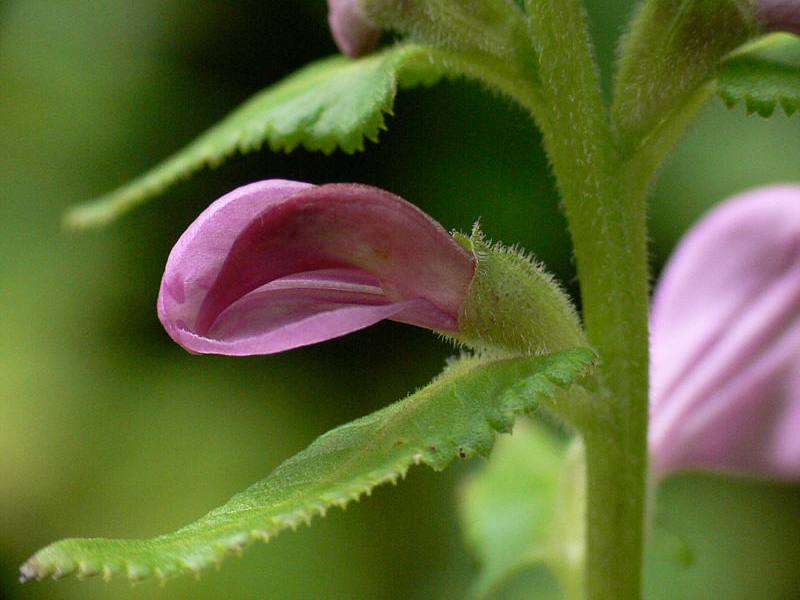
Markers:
457,415
333,103
763,75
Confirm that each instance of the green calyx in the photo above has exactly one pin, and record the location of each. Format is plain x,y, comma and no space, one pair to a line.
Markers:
478,30
514,307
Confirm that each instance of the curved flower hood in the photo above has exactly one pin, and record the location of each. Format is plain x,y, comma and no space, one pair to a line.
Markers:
280,264
726,342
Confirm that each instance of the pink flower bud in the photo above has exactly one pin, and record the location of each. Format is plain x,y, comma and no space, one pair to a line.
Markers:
279,264
726,342
352,31
780,15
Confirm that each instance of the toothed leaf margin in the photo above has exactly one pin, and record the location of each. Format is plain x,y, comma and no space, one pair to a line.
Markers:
456,416
333,103
763,76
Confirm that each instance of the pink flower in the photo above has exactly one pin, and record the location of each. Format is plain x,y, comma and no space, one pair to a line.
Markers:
726,342
780,15
352,31
279,264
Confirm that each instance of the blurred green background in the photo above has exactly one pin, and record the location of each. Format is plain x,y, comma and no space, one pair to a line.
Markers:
106,427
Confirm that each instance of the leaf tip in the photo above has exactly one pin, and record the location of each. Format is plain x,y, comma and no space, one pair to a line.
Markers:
30,571
93,214
37,569
76,219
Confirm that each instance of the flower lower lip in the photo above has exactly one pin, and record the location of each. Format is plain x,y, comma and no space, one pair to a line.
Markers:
300,296
333,280
295,298
303,322
332,287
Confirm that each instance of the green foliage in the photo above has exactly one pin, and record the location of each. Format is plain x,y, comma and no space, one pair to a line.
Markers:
508,507
333,103
723,537
525,514
763,75
713,536
457,415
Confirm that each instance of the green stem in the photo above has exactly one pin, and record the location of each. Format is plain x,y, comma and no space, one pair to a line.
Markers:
606,212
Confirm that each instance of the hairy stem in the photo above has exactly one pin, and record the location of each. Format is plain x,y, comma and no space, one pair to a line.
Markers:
606,213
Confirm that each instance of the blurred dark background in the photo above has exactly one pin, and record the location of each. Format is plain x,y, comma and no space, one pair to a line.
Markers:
106,427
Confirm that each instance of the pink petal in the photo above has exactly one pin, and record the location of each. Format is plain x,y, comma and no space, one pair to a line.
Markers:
780,15
276,265
353,33
786,449
726,341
